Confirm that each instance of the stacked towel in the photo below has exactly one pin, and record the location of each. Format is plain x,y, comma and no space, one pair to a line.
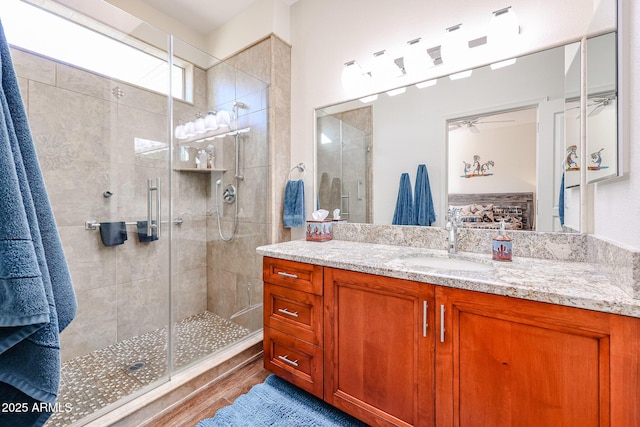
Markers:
403,214
423,211
113,233
37,299
293,211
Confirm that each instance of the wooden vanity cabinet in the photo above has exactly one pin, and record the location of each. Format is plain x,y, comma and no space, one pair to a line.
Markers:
293,338
509,362
396,352
379,348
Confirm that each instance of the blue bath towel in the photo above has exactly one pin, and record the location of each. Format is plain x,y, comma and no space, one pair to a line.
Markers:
403,214
293,212
37,299
423,211
561,201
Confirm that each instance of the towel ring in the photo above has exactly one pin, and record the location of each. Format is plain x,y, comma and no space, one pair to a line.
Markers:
300,167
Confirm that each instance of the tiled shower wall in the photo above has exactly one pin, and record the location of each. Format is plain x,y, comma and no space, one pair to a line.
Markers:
234,268
84,139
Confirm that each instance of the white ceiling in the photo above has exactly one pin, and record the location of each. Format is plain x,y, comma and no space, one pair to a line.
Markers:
203,16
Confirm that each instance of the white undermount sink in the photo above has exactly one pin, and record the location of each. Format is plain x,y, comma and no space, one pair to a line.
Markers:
446,263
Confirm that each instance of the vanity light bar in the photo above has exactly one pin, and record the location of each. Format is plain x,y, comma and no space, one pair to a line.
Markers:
353,80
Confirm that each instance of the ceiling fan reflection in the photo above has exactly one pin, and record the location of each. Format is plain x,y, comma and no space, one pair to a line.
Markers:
471,124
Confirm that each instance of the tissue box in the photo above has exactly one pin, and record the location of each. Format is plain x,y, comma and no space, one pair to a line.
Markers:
319,231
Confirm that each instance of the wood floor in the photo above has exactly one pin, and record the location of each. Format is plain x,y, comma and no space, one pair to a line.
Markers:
221,394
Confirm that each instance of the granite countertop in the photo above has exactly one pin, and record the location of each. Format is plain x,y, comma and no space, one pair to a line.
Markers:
574,284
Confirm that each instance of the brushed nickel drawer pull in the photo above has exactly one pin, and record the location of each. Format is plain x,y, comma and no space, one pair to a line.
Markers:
289,361
441,322
293,276
288,313
425,325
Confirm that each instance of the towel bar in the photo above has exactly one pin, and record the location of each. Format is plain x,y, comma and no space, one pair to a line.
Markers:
95,225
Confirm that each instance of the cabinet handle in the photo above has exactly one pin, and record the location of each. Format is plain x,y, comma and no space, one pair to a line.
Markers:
293,276
289,361
287,312
441,322
425,307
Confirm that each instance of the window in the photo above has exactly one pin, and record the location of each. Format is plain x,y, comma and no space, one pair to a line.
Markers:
79,45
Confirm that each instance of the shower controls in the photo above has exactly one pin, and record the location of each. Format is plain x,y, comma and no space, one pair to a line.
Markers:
229,194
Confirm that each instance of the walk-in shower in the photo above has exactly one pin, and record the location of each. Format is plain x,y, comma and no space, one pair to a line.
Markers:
176,289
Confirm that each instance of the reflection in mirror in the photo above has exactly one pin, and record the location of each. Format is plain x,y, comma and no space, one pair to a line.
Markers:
602,117
343,163
569,199
413,128
492,169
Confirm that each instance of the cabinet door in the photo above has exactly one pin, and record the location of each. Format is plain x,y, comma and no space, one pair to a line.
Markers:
379,348
503,361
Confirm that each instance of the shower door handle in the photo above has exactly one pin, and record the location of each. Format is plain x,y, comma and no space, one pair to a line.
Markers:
150,189
158,210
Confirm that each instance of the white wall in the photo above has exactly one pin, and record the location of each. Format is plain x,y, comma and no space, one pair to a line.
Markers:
261,19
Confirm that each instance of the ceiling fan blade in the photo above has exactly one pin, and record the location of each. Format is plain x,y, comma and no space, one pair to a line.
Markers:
596,110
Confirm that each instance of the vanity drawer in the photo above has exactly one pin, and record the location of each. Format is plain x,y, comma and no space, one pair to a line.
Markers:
297,361
292,274
293,312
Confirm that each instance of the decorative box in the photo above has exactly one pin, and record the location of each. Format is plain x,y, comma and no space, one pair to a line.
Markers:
319,231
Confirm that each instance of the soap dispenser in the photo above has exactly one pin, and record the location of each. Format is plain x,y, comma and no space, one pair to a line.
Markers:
502,245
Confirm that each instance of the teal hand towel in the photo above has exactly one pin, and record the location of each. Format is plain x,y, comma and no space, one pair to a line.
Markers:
37,300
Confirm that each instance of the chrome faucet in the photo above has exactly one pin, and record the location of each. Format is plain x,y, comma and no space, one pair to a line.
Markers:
454,221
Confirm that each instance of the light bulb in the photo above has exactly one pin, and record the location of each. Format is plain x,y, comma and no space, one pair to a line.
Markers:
384,68
352,77
454,46
503,27
416,59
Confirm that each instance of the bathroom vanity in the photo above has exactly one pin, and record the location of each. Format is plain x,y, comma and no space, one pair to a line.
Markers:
389,335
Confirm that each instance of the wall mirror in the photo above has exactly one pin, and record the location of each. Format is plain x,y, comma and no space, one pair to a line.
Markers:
500,137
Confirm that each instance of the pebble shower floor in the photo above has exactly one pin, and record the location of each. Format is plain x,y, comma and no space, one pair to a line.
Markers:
100,378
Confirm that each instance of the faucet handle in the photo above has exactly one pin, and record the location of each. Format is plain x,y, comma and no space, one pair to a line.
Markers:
455,216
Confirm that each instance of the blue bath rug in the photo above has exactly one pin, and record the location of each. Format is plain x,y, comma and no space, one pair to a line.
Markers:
278,403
